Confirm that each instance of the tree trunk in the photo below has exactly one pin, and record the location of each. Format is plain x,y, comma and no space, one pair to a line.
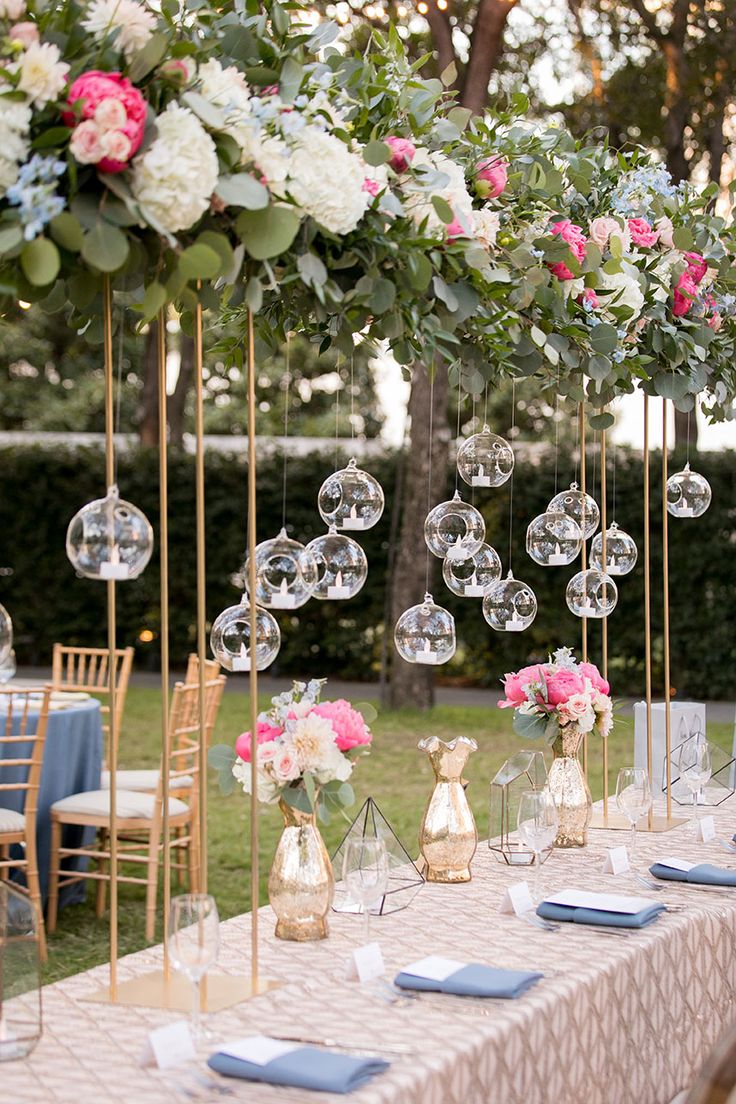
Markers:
485,51
178,401
148,420
676,106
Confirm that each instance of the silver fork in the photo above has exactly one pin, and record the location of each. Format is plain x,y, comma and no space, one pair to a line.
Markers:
540,922
648,882
728,846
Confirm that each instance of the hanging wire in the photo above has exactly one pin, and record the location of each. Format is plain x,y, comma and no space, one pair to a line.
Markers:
688,438
352,394
511,480
577,447
557,426
457,429
613,476
595,462
429,470
287,381
485,406
475,430
337,410
119,383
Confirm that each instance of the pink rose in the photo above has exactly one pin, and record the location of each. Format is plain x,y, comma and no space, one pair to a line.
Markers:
455,229
25,34
178,71
696,267
515,684
372,187
715,322
602,229
685,293
642,233
575,238
491,177
90,90
348,724
562,685
266,733
597,681
402,152
286,765
85,143
110,114
578,710
116,146
666,228
589,299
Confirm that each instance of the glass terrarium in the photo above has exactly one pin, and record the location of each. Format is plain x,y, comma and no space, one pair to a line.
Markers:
553,539
688,494
485,459
621,551
20,974
109,539
230,638
6,634
474,576
425,634
454,528
342,565
582,508
404,880
351,499
286,573
524,771
510,605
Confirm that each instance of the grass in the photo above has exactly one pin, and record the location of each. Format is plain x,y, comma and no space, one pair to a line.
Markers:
397,775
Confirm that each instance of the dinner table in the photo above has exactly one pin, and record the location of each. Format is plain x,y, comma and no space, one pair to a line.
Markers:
615,1019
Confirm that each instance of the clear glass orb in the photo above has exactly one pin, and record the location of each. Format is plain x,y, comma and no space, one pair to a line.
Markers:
454,528
621,551
109,539
350,499
425,634
591,593
572,503
8,667
485,459
688,494
473,576
6,634
553,539
230,638
342,566
511,605
286,573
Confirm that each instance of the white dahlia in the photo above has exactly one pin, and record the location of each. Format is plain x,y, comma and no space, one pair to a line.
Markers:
133,22
326,180
175,177
42,74
419,195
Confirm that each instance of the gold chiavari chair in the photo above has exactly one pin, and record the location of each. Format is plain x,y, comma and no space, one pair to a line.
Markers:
86,669
23,719
140,815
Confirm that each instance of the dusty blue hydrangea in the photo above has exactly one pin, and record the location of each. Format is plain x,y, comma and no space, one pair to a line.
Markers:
34,193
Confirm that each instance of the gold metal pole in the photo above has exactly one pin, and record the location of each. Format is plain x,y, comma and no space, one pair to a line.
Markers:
647,602
583,559
604,624
201,594
666,614
111,639
164,597
254,873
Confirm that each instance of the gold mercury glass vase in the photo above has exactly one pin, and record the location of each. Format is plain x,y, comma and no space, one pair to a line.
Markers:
448,836
569,788
301,884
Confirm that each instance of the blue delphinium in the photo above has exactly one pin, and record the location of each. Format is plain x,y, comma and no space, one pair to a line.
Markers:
633,195
34,193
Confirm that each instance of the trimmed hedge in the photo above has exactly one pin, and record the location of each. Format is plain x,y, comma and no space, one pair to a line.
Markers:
43,488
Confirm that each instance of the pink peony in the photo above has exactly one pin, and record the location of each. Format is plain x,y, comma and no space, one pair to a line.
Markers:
348,724
266,733
642,233
25,34
91,90
402,152
597,681
563,685
666,229
575,238
696,267
515,684
85,143
686,291
589,299
491,177
372,187
602,229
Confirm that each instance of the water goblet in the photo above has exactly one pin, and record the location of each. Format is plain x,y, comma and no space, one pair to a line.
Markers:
193,939
365,872
694,763
537,824
634,799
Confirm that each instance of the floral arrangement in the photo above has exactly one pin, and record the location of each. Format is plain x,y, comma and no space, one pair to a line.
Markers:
558,697
307,750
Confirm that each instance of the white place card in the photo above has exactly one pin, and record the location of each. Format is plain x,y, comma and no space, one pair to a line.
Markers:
366,963
616,861
258,1049
677,864
605,902
517,899
169,1046
434,967
705,830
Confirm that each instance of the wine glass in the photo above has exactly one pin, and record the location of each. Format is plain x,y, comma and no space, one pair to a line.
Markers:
365,873
193,940
537,823
634,799
694,763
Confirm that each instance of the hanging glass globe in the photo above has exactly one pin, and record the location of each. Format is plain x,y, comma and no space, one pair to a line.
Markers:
511,605
109,539
454,528
572,502
286,573
553,539
342,566
473,576
6,634
591,593
621,551
688,494
485,459
425,634
230,638
350,499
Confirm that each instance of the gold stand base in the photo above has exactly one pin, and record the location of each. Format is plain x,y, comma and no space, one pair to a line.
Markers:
615,821
154,991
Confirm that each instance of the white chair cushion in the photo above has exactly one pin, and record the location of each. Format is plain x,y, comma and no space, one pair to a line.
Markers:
10,821
144,780
130,805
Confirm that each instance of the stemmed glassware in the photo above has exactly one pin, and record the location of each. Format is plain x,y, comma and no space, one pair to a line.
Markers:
365,873
695,767
194,939
634,799
537,824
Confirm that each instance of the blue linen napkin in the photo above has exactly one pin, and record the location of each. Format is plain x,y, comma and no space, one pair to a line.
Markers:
702,874
304,1068
475,980
639,919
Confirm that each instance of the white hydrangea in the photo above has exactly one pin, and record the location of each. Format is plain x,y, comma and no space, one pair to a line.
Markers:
271,157
227,89
15,122
419,198
619,289
174,179
42,75
132,21
326,180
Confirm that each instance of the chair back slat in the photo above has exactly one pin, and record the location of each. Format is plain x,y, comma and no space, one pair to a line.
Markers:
25,714
86,669
184,729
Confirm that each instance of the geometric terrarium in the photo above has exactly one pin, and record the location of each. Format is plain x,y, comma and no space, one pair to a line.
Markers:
524,771
716,789
404,880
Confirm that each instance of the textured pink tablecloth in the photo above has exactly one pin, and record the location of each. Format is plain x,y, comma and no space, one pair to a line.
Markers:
617,1021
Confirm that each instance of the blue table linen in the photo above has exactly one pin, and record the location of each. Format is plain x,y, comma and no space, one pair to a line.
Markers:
305,1068
703,874
567,913
475,980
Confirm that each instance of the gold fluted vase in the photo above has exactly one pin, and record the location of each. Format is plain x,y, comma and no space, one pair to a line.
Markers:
301,884
570,790
448,836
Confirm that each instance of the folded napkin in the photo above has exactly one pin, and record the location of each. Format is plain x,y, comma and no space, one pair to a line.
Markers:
474,980
305,1067
702,874
639,919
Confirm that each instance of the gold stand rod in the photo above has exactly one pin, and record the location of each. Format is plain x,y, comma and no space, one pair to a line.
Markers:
254,873
647,601
604,623
111,639
164,596
583,557
666,614
201,593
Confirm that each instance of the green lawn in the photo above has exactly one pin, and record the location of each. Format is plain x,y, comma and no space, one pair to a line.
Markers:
396,775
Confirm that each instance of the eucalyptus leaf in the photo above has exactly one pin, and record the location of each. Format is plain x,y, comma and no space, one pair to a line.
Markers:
529,725
199,262
242,190
105,247
40,262
268,233
376,153
221,756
